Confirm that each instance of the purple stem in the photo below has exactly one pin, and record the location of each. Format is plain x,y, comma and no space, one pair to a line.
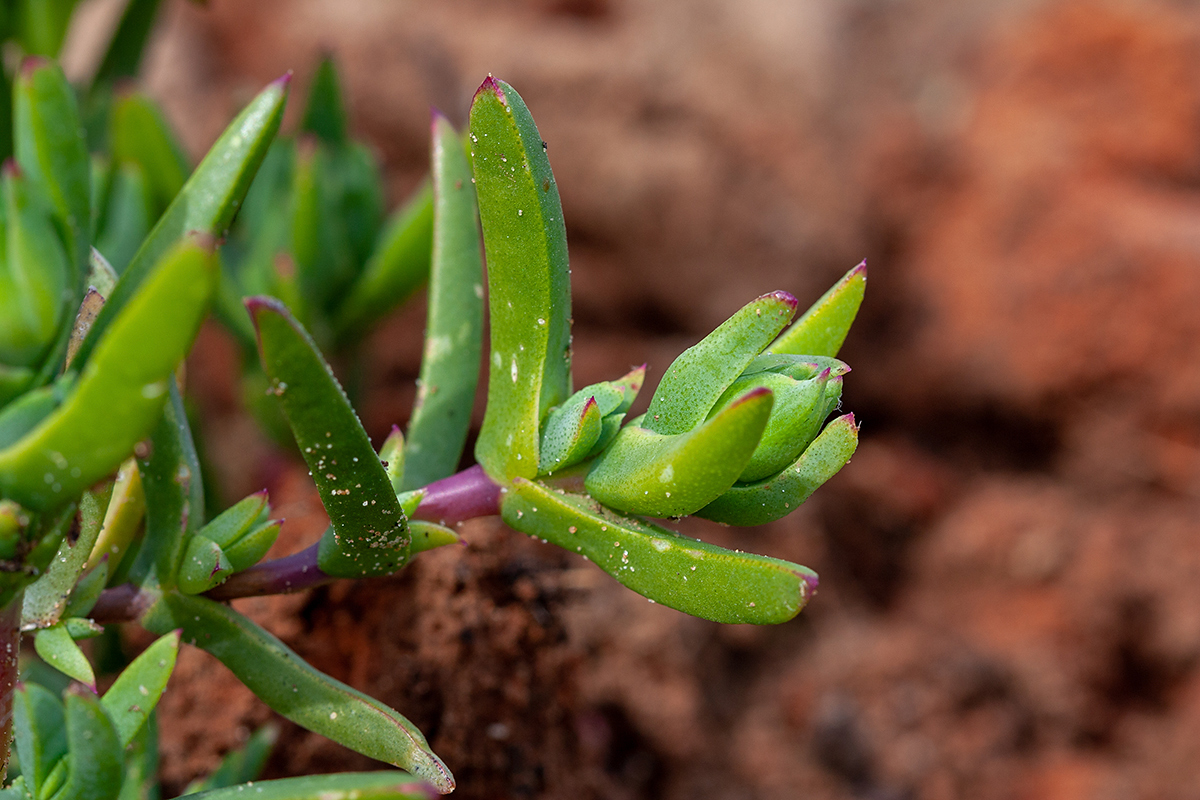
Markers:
10,644
463,496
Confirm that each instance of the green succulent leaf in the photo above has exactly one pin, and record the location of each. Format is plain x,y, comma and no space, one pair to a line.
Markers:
343,786
46,599
391,455
41,25
319,253
36,278
127,217
206,203
644,472
139,135
777,496
571,433
237,520
136,691
49,146
141,765
126,508
249,550
369,529
204,565
87,591
801,406
58,649
95,756
40,731
325,113
174,495
696,379
449,377
23,414
398,265
300,693
119,394
529,289
821,330
685,574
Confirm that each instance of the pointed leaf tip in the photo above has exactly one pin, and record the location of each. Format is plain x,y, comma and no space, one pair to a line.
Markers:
784,297
31,64
283,80
490,84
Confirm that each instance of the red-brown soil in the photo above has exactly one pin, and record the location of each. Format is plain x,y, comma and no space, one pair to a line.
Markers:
1010,596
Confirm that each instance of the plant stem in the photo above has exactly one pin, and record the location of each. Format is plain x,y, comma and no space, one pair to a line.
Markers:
460,497
10,645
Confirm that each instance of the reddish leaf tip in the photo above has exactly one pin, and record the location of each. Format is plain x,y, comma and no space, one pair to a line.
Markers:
11,168
283,80
783,297
861,269
31,64
490,84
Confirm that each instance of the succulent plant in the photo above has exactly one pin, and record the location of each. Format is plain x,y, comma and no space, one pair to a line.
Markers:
110,261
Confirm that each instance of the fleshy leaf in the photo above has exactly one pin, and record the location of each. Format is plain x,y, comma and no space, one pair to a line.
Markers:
325,115
138,134
283,681
449,377
701,374
95,758
339,786
529,288
174,492
232,523
391,455
249,550
370,530
571,433
40,731
58,649
644,472
206,203
125,49
46,599
685,574
136,691
821,330
778,496
204,565
119,394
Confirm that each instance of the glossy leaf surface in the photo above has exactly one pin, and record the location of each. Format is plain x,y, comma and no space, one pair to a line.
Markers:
95,758
207,201
343,786
174,494
370,531
778,496
136,691
685,574
449,376
821,330
120,391
701,374
529,289
58,649
644,472
40,731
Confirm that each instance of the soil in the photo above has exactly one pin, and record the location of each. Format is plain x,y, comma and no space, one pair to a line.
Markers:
1010,595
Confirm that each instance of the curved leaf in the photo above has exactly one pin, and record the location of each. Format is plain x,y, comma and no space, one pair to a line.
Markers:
685,574
449,377
644,472
700,375
821,330
529,287
343,786
206,203
778,496
370,529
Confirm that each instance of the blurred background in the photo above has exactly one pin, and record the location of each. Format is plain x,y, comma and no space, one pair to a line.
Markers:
1010,595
